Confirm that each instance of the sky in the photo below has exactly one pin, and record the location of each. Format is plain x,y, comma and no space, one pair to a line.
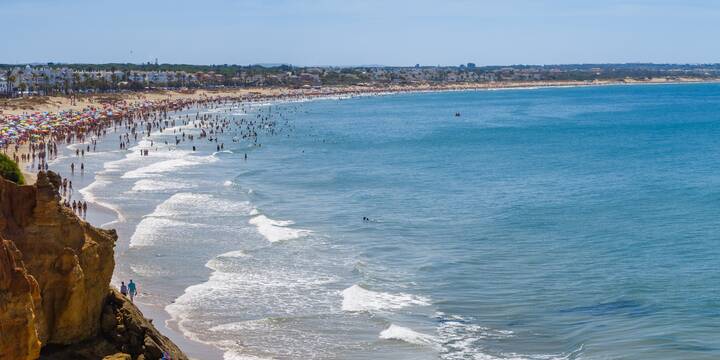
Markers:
360,32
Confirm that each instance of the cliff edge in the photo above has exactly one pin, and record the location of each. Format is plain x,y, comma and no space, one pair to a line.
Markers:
55,271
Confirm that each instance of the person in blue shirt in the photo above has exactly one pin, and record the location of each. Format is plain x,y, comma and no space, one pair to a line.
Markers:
132,289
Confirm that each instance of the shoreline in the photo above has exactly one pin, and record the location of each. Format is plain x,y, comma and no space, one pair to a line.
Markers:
30,104
160,314
152,102
107,215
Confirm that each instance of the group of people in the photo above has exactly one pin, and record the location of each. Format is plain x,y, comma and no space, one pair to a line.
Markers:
79,207
129,290
207,127
72,168
135,122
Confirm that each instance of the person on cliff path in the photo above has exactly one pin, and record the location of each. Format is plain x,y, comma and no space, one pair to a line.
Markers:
132,290
123,288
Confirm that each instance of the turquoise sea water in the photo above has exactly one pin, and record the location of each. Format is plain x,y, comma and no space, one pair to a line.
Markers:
566,223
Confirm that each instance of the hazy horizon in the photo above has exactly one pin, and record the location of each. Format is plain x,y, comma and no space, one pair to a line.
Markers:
271,65
334,33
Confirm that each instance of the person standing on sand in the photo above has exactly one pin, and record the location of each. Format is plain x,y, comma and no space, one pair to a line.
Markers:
132,289
123,288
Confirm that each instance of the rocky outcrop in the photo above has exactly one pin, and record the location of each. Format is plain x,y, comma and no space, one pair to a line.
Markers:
19,293
71,260
124,325
55,271
126,334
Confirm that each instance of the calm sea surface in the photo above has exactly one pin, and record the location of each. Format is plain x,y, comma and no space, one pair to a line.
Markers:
567,223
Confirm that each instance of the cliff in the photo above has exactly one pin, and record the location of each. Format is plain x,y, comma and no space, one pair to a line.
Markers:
19,293
55,271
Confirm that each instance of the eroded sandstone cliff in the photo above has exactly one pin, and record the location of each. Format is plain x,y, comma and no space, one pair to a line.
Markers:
19,293
55,271
71,261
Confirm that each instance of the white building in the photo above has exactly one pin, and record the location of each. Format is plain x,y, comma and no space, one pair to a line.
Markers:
4,86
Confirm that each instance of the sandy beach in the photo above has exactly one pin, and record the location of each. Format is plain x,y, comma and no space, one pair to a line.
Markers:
18,106
148,209
152,100
389,180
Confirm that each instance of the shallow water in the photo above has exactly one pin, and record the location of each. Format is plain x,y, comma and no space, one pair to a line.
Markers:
574,223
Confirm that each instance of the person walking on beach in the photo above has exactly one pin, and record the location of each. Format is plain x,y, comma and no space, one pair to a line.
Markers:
123,288
132,290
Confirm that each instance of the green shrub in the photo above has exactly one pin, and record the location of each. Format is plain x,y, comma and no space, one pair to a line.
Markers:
10,170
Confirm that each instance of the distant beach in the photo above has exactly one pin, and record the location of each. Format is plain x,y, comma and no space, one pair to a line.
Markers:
98,108
386,226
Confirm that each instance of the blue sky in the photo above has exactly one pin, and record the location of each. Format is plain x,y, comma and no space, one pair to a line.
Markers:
355,32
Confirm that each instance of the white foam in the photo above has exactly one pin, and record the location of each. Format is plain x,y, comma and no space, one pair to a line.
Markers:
133,157
234,287
216,263
357,298
234,254
89,196
150,270
158,168
234,355
236,327
159,185
461,338
395,332
227,183
151,229
277,230
185,206
192,204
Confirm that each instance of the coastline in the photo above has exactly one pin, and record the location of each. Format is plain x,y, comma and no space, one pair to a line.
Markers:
156,101
108,215
25,105
159,314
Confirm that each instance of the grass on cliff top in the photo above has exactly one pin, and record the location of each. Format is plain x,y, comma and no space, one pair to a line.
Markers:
10,170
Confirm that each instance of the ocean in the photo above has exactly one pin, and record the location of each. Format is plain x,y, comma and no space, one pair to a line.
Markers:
550,223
